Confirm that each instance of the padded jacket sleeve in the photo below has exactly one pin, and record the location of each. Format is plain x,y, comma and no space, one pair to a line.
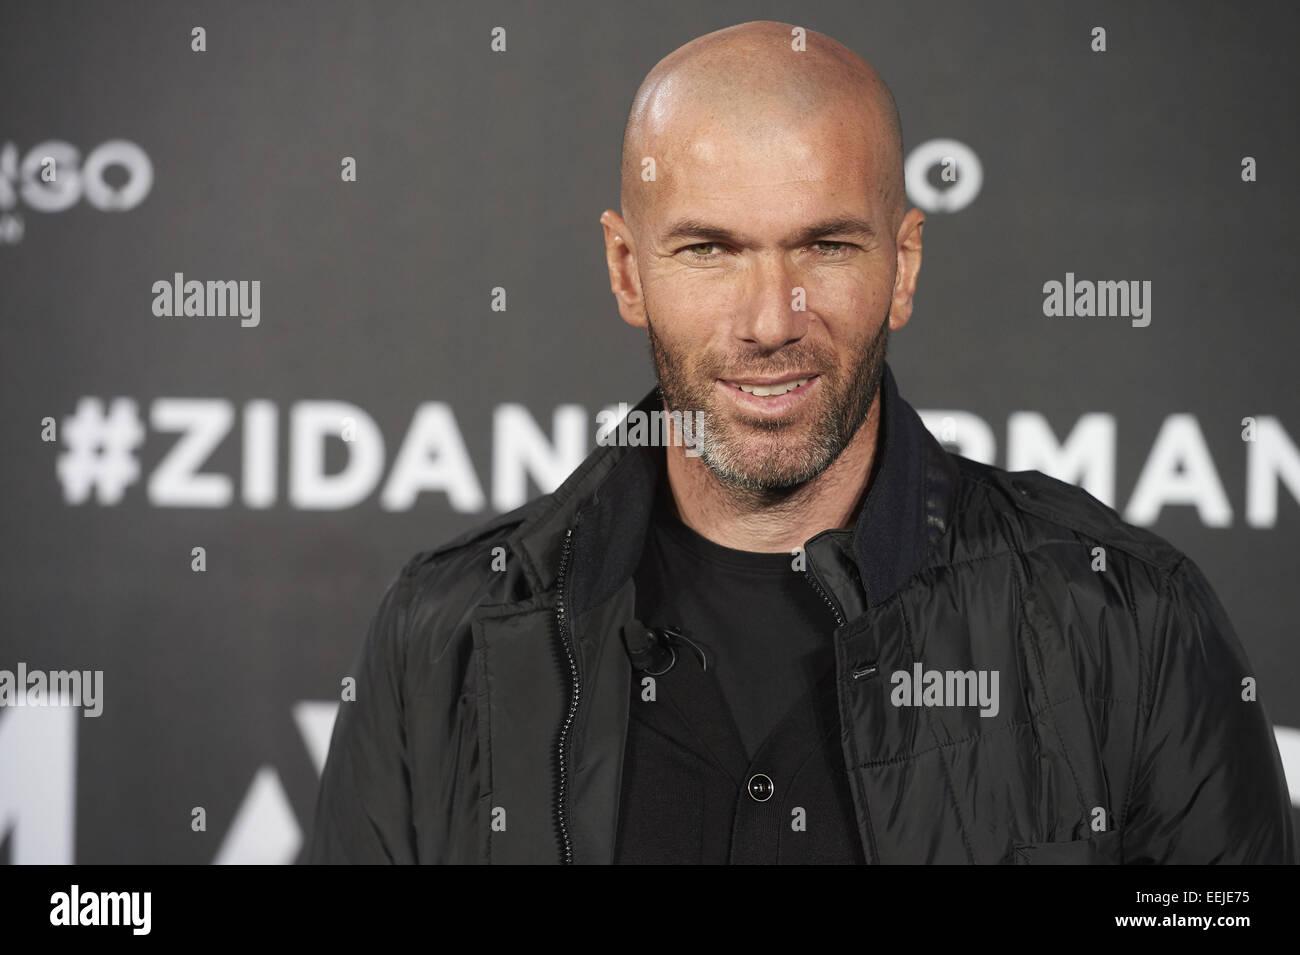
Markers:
1208,784
363,805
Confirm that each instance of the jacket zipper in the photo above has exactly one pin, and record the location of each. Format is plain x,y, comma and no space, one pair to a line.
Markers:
811,576
562,747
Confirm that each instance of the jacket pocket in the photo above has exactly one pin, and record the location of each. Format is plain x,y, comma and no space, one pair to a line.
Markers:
1104,848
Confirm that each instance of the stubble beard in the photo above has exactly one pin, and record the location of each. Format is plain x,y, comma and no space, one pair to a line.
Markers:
757,460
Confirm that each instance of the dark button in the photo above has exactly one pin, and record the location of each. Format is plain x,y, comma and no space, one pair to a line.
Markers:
760,787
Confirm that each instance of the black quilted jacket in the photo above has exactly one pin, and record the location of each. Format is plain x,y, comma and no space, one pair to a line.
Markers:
493,685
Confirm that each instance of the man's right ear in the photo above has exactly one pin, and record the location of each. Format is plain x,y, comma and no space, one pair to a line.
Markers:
620,258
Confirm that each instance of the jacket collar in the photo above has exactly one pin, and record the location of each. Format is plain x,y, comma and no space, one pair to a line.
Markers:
608,501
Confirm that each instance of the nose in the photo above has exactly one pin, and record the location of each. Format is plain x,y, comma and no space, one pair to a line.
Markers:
767,317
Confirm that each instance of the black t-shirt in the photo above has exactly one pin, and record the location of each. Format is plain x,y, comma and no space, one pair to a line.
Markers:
736,757
765,631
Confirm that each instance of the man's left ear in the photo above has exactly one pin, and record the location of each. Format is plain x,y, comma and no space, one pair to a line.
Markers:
909,267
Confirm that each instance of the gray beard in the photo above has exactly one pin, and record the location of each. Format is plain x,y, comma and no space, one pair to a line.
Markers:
759,480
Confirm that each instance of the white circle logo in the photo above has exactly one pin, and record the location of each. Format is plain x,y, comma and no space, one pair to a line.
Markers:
961,167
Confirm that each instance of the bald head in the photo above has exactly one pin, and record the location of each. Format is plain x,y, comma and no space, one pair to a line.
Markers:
750,82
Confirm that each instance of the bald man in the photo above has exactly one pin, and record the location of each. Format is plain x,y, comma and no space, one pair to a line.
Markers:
795,629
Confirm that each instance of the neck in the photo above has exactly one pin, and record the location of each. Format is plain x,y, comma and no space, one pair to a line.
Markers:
776,521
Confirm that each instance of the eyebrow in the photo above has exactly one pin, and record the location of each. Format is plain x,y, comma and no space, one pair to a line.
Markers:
706,232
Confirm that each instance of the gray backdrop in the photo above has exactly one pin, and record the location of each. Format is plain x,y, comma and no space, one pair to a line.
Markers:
479,169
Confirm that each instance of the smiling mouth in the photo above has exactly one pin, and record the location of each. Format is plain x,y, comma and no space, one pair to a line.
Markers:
772,389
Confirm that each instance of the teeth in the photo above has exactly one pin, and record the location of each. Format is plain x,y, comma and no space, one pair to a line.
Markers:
771,391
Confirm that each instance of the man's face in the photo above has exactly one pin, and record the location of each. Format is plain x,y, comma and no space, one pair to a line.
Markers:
783,389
